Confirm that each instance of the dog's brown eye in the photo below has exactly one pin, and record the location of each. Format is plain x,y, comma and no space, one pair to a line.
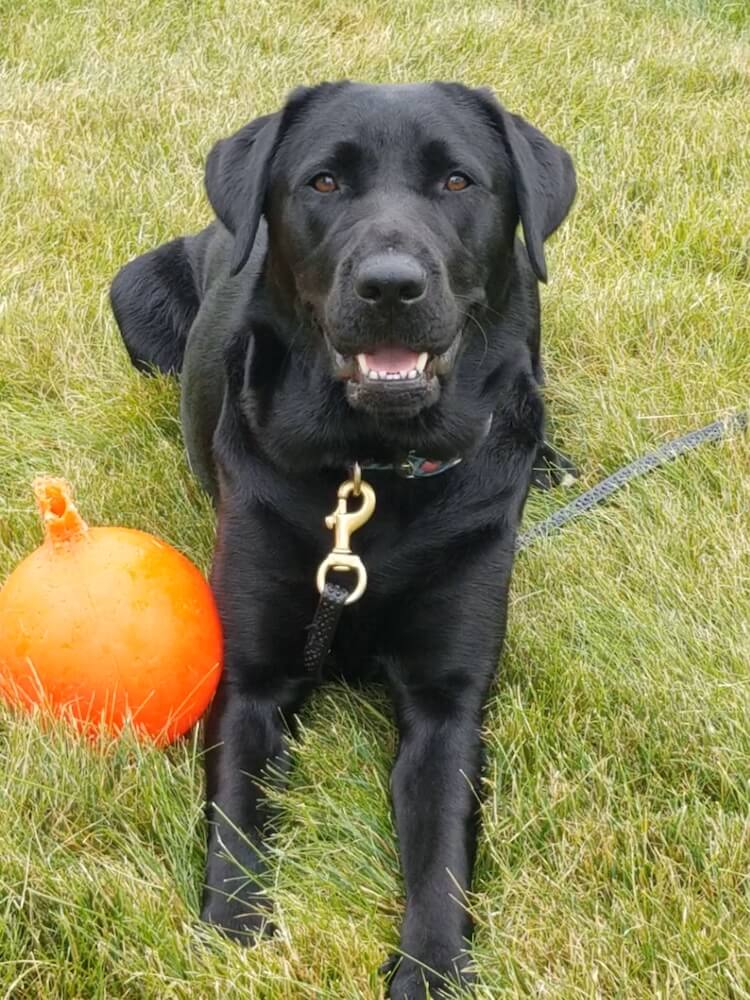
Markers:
324,183
457,182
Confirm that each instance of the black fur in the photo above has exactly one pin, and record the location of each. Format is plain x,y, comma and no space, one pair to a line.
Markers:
262,319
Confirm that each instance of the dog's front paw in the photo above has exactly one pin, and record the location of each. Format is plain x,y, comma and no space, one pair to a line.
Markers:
239,920
552,468
412,980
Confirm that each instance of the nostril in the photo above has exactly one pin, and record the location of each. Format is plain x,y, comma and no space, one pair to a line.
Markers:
412,288
368,289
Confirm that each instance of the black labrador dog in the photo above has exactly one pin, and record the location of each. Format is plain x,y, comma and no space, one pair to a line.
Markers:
362,297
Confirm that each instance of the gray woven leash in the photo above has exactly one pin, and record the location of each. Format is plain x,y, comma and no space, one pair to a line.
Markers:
602,491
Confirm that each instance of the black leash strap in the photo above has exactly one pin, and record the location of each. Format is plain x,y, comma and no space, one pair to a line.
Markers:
716,431
323,627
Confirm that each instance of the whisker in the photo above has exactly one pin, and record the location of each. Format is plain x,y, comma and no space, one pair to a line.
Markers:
481,329
484,306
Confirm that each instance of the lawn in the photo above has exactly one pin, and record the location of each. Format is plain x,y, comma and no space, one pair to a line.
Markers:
615,856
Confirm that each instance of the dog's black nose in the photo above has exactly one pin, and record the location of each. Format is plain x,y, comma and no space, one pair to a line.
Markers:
390,279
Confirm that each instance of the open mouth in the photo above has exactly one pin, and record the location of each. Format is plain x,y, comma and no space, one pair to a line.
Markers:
393,365
392,381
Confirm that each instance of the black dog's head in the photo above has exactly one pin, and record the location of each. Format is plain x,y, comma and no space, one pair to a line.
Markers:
392,212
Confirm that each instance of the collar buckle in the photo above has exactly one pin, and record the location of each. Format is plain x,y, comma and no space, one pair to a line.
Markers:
343,523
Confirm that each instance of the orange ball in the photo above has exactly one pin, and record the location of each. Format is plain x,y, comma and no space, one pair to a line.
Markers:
108,625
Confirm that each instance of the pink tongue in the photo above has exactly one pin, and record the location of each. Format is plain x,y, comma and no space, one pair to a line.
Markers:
392,359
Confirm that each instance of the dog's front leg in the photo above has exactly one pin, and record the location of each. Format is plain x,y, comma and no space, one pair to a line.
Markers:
244,735
264,617
434,798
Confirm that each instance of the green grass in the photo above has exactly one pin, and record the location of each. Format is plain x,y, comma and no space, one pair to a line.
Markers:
615,857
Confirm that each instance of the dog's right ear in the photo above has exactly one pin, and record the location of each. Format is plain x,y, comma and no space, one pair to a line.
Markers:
237,172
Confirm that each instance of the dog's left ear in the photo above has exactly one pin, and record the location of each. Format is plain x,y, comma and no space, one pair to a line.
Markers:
237,171
544,177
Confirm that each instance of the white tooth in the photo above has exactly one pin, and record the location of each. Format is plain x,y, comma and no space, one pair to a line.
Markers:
413,373
372,374
422,361
362,362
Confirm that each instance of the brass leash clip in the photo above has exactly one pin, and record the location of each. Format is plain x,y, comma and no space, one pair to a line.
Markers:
344,523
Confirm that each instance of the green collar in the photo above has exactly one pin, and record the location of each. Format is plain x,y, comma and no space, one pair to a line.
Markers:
414,466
